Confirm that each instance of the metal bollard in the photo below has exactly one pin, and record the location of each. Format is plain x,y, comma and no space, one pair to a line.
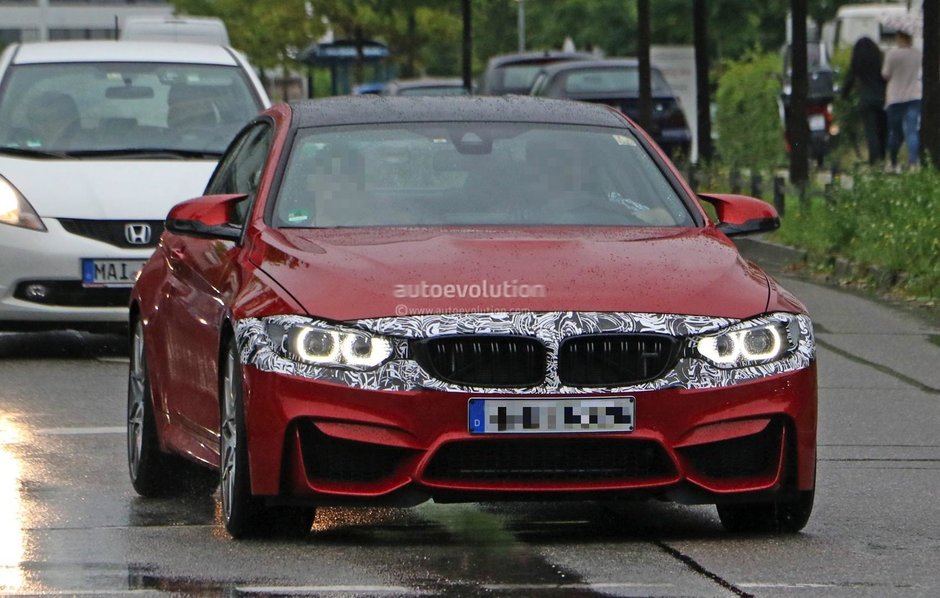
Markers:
780,192
735,180
757,184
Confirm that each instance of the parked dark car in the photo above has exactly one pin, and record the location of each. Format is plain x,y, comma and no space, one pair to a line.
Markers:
425,87
373,88
515,73
616,82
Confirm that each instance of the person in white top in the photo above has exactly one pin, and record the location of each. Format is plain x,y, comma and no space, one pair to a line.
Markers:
901,71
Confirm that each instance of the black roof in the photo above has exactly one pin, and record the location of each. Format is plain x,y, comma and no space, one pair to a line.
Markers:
351,110
593,64
536,57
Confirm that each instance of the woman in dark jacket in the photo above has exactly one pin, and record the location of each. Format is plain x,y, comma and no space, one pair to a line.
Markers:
866,71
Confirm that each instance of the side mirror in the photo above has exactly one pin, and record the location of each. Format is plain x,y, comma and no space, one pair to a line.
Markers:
741,215
208,216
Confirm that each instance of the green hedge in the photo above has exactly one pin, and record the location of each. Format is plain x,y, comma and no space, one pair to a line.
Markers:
750,133
890,222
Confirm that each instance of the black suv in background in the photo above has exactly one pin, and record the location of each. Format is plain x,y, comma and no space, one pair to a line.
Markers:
514,73
616,82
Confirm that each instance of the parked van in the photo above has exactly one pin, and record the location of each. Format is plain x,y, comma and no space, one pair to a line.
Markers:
200,30
855,21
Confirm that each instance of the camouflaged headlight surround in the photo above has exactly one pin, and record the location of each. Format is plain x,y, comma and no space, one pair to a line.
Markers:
757,341
318,344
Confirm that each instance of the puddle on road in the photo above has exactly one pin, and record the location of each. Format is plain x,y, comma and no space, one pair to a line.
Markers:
62,344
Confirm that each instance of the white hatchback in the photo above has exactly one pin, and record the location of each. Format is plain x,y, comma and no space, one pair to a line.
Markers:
97,141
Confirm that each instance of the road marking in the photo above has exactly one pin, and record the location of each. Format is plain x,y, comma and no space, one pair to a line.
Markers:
114,359
80,431
297,590
499,587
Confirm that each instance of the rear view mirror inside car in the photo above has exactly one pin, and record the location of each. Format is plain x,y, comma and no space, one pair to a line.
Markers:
129,92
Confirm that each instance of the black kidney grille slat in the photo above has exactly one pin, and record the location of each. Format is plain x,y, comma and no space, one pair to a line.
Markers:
615,359
484,360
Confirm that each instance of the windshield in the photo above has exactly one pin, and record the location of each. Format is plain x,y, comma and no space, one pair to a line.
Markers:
429,90
440,174
518,78
612,80
112,107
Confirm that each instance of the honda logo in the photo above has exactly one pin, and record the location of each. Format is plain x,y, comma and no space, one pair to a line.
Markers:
137,234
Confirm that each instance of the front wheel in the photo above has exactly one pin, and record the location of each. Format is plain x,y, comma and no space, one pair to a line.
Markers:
245,515
786,516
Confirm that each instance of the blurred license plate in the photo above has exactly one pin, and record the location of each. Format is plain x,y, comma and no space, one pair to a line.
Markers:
110,273
817,122
610,414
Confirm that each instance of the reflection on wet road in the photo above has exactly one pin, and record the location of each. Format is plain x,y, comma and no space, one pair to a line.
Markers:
11,526
71,524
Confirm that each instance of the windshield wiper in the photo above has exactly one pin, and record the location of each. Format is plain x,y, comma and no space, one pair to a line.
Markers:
144,153
29,152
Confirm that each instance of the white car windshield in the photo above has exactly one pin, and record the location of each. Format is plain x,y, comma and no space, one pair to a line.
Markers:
84,108
473,173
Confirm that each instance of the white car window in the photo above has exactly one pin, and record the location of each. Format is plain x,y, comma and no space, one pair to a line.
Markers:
89,107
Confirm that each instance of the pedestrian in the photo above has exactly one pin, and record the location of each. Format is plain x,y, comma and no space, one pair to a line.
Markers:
901,71
865,70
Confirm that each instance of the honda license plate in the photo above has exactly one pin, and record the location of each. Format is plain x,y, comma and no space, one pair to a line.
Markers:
110,273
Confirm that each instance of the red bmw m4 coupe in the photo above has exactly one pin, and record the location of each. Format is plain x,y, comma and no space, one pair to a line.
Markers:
394,300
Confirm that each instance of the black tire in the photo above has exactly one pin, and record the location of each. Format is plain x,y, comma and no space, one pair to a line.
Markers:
781,517
152,472
245,515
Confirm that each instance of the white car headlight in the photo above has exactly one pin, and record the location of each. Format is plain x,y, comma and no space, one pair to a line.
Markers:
15,210
754,342
330,346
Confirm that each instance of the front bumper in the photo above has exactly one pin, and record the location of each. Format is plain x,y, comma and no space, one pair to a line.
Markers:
53,258
327,443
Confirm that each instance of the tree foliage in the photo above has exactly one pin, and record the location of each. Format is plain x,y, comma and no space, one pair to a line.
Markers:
749,129
270,32
425,35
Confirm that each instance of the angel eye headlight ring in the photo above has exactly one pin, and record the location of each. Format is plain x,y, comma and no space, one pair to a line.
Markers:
330,346
762,342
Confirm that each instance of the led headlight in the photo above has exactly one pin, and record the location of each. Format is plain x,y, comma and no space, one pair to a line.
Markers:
15,210
754,342
330,346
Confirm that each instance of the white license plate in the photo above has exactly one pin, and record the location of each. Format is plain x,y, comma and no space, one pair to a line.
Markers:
110,273
817,122
500,416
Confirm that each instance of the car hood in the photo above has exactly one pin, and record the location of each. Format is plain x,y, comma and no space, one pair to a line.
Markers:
347,274
97,189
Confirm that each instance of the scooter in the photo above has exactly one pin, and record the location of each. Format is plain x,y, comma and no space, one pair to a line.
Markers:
820,94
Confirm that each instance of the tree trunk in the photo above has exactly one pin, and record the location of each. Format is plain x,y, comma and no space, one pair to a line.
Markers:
930,107
643,56
799,86
467,47
409,70
702,88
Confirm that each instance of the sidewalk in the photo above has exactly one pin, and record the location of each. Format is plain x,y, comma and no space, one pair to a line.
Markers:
890,339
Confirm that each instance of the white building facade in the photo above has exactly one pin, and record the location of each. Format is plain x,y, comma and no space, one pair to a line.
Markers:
43,20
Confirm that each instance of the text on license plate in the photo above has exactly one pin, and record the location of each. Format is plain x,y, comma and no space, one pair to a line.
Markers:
610,414
110,273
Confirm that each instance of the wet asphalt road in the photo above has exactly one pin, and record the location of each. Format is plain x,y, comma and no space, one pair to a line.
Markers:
71,524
